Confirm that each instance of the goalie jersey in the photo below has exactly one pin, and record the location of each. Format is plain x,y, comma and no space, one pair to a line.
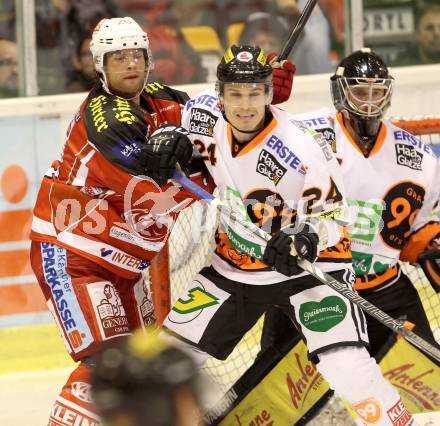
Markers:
391,196
282,176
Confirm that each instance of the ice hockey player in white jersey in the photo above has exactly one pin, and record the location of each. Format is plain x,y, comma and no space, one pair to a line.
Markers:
281,179
392,183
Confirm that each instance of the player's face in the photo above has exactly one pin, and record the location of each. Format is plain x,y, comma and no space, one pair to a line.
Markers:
367,98
125,71
244,104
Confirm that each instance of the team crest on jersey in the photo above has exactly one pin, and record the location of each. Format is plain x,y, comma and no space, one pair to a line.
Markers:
328,134
202,122
408,156
269,166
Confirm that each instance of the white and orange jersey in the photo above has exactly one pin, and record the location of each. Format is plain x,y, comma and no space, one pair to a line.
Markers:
391,196
279,176
93,201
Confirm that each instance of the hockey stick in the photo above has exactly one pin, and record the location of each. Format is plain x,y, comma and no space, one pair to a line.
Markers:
299,26
351,295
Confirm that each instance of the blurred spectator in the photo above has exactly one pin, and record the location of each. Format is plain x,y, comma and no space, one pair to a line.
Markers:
335,14
52,44
147,11
426,50
313,55
142,380
8,69
7,20
271,32
59,24
85,75
189,13
268,32
175,61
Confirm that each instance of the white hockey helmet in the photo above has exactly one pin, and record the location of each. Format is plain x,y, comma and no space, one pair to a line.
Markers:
114,34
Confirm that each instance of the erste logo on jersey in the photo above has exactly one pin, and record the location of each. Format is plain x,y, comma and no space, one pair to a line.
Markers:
269,166
408,156
286,154
202,122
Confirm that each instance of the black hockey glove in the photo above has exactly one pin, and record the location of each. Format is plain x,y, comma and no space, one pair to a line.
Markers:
430,263
277,253
167,146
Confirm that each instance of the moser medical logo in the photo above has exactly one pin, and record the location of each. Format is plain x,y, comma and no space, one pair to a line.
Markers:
408,156
269,166
324,315
202,122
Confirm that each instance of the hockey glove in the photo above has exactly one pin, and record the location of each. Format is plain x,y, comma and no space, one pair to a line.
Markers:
282,78
282,257
430,263
167,146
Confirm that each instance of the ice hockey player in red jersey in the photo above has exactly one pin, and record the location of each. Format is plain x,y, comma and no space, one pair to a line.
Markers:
98,220
278,175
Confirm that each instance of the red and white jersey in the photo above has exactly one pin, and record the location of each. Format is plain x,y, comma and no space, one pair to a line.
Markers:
277,172
391,196
93,201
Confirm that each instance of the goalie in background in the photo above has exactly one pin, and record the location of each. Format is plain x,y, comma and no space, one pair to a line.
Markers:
139,381
392,184
281,177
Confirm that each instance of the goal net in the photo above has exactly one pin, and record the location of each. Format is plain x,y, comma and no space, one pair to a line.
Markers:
191,246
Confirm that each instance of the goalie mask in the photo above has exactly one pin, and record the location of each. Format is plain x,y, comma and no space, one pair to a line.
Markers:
122,37
244,87
362,87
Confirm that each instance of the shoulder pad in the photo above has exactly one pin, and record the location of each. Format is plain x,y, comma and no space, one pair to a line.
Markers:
116,128
161,91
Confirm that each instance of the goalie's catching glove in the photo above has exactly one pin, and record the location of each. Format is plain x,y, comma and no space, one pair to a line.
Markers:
282,255
430,263
282,78
165,148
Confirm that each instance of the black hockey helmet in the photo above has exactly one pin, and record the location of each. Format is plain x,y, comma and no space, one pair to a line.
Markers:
137,377
362,86
244,64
